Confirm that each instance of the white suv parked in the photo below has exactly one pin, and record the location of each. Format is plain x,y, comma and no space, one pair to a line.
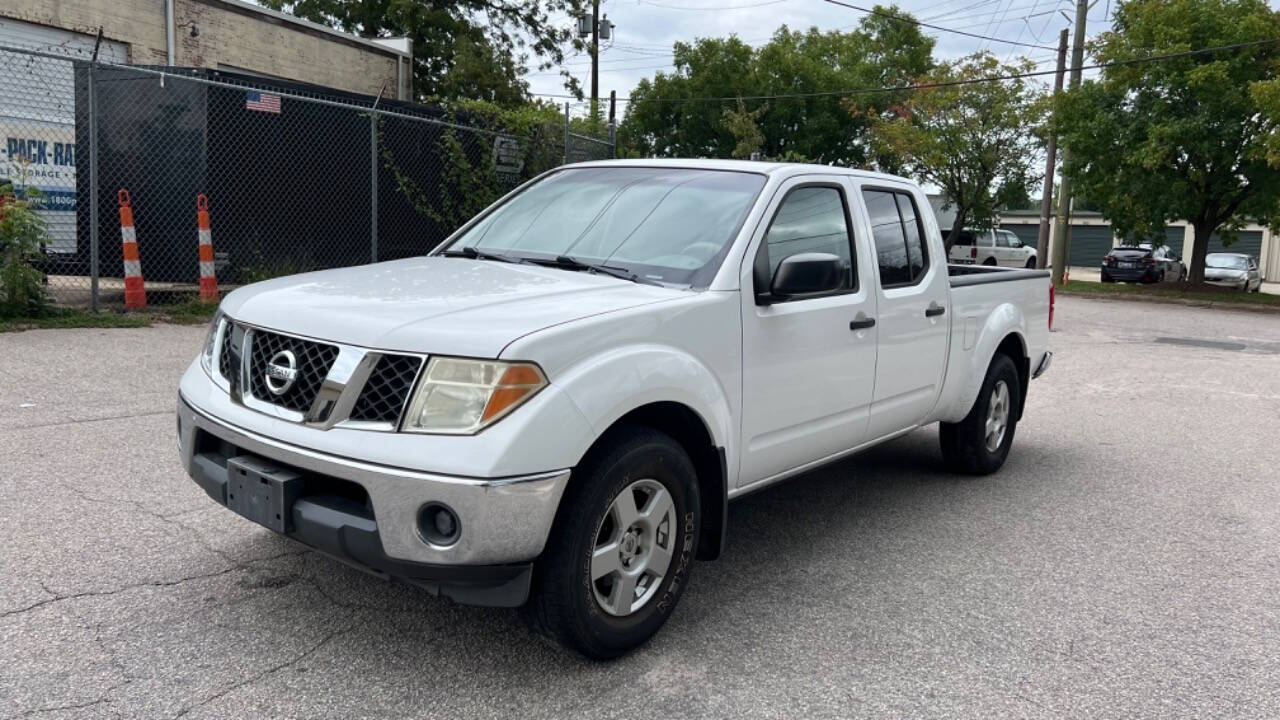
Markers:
992,247
558,403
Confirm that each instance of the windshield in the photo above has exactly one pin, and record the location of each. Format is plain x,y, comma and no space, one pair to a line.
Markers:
670,225
1229,262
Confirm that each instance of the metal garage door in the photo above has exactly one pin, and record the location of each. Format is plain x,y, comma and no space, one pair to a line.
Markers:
1173,237
1248,242
1089,244
1028,234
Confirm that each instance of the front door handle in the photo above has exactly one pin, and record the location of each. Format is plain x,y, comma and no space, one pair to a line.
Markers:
862,323
934,310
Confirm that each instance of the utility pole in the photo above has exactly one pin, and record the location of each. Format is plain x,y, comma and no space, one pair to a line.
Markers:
1062,234
595,58
1050,163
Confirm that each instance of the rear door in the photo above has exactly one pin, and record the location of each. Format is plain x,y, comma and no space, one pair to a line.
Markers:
808,364
912,288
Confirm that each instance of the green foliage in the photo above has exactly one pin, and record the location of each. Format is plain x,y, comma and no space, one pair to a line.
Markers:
22,233
58,318
973,141
1190,138
469,184
744,125
1183,295
660,121
263,269
461,48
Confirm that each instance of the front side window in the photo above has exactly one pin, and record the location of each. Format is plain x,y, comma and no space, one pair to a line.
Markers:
810,220
670,225
899,237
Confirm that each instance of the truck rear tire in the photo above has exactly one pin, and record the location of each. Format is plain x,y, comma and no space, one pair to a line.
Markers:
979,444
619,557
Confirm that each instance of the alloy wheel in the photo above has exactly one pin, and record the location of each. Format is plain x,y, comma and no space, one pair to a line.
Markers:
633,547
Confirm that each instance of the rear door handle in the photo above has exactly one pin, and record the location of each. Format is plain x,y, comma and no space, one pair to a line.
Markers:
862,324
934,310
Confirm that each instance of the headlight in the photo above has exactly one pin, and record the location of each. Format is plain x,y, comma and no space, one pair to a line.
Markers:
210,339
459,396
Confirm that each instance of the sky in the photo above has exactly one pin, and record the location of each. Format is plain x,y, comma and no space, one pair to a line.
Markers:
645,30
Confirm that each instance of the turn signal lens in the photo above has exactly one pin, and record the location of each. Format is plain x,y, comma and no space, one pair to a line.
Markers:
460,396
211,336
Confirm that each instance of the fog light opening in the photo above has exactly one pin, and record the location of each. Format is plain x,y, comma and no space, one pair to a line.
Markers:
438,524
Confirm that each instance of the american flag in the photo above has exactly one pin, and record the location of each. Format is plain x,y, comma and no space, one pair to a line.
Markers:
262,102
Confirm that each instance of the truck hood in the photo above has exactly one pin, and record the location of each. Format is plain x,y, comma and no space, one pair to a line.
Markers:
447,306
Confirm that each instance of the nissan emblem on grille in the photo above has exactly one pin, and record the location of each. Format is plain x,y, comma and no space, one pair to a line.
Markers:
282,370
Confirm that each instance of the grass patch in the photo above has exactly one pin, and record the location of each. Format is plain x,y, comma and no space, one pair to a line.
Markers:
57,318
192,312
1179,294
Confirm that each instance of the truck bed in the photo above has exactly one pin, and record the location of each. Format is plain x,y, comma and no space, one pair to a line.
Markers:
963,275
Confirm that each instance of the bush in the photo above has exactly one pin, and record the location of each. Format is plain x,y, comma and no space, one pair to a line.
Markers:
22,234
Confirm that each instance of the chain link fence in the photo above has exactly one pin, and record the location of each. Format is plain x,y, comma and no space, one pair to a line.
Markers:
295,177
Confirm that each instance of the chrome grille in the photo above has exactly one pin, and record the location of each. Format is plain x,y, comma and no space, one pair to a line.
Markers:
226,362
314,359
387,389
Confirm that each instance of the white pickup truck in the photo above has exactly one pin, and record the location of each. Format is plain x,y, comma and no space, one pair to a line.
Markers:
555,406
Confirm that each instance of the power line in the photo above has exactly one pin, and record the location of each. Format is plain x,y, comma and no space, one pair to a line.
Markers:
719,7
944,83
939,28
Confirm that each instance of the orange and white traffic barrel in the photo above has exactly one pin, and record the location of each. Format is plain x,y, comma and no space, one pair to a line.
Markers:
135,293
208,276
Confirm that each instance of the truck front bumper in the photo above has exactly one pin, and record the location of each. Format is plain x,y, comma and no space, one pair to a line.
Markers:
368,515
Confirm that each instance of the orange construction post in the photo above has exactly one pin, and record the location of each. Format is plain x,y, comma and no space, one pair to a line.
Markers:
208,277
135,293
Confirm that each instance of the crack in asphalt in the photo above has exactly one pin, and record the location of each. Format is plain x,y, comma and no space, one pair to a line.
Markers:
36,426
58,597
269,671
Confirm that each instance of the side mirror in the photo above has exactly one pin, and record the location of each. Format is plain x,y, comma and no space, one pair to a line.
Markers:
803,275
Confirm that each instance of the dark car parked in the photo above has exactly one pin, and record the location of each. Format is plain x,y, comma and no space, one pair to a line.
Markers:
1142,263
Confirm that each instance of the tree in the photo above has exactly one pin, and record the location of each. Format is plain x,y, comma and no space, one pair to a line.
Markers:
744,126
462,49
1193,137
684,112
972,140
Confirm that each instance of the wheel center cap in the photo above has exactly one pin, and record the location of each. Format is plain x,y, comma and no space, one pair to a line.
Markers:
629,543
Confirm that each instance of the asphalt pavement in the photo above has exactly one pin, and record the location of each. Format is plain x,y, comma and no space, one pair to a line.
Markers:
1124,563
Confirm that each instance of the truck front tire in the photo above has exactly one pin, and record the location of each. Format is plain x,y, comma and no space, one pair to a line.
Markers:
619,557
979,444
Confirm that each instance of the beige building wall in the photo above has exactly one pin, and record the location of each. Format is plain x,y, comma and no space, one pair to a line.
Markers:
231,35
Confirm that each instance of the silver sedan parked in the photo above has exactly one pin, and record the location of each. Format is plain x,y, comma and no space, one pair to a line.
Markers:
1234,270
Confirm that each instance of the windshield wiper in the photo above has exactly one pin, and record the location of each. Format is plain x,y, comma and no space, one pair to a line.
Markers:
474,254
568,262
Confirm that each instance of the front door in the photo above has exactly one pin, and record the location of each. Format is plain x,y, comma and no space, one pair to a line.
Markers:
911,309
808,364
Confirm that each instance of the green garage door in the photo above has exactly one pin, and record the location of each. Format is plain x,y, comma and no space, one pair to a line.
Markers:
1028,234
1172,238
1089,244
1247,242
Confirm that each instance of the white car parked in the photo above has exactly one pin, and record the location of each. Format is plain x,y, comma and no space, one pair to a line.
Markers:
558,403
992,247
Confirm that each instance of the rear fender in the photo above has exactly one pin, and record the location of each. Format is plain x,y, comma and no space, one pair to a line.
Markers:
967,369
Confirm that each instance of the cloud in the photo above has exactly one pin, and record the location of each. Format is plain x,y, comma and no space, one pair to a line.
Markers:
646,29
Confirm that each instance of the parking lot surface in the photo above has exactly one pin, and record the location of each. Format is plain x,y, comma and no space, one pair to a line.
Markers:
1124,563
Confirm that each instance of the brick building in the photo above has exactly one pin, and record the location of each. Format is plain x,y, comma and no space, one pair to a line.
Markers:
215,34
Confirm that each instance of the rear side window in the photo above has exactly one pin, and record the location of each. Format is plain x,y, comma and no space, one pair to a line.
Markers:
899,237
810,219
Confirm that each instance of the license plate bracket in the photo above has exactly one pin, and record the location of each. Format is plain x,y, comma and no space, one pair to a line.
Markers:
262,492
